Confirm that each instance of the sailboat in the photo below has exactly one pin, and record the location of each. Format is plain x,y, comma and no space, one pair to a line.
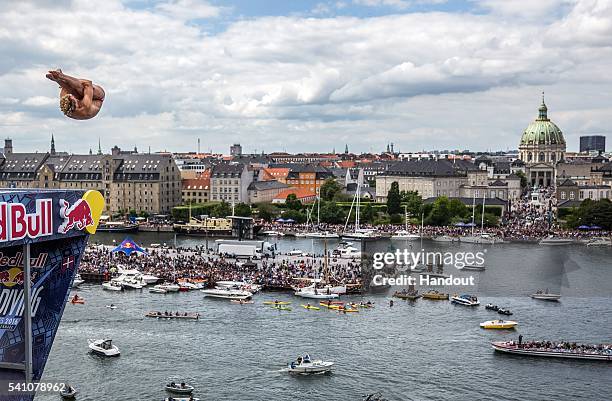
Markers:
482,238
316,233
322,289
405,234
358,233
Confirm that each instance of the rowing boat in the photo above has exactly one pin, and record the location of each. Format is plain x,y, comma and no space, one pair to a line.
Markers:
310,307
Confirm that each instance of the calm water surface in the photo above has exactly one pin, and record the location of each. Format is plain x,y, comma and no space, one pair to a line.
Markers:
426,350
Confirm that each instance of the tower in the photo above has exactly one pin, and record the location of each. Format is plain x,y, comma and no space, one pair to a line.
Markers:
8,146
99,147
346,149
52,145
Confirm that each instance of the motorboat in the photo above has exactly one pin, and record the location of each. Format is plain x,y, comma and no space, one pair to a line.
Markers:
405,236
226,293
321,235
169,287
326,289
111,306
239,285
77,281
272,233
182,388
545,295
556,241
103,347
492,307
309,292
295,252
554,350
305,365
112,286
410,295
68,392
346,252
150,279
465,299
131,279
181,399
435,295
504,311
483,238
158,289
445,238
498,324
599,242
361,234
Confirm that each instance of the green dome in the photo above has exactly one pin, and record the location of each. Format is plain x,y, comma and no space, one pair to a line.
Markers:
542,131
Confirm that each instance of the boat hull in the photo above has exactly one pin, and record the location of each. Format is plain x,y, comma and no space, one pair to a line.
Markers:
514,349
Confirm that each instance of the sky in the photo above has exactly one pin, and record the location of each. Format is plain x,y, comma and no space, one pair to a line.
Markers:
306,76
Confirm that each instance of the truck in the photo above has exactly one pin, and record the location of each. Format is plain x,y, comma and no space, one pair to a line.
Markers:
244,249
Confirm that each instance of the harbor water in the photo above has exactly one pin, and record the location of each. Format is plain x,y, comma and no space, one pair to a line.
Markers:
412,351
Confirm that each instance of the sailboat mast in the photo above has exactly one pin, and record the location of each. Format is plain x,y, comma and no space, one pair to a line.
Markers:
473,210
406,217
318,209
483,212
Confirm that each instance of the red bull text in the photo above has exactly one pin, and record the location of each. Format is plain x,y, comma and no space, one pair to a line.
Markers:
16,223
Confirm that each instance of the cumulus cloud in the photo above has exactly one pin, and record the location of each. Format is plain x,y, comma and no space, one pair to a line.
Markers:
399,4
301,83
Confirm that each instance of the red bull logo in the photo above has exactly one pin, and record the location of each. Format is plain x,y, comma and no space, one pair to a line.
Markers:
16,223
11,277
77,216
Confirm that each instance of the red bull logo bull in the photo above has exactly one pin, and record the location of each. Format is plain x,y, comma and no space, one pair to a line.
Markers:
11,277
77,216
16,223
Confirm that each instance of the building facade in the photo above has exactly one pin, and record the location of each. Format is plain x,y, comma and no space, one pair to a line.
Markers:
592,143
229,182
195,190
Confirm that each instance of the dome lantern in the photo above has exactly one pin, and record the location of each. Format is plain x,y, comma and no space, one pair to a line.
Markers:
543,110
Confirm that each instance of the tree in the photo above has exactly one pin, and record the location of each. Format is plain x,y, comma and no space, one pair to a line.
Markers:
440,213
222,209
295,215
331,213
329,189
243,210
521,175
293,203
367,213
266,211
395,219
413,202
394,199
457,209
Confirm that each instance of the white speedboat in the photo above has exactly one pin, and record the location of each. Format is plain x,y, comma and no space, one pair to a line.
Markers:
112,286
445,238
556,241
312,294
182,388
77,281
405,236
295,252
483,238
361,234
239,285
150,279
103,347
347,252
545,296
131,278
158,289
272,233
321,234
305,365
465,299
169,287
227,293
111,306
326,289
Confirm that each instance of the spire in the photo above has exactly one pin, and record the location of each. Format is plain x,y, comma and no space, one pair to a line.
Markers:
52,145
543,110
99,147
90,152
346,148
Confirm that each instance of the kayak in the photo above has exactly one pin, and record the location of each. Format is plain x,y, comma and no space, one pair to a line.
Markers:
366,305
331,305
310,307
276,303
347,310
281,308
111,306
78,301
237,301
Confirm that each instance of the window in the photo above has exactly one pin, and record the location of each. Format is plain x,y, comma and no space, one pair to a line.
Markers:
563,195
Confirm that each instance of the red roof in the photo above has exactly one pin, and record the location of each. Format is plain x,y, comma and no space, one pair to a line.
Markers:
196,183
300,193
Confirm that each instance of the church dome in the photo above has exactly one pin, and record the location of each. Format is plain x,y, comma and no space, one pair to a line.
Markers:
542,131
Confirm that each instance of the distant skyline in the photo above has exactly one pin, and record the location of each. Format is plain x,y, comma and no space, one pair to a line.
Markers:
307,76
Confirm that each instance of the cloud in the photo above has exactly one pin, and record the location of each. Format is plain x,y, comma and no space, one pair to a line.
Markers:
420,80
398,4
189,9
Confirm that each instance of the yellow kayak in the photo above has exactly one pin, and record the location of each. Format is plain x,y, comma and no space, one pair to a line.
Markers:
276,303
310,307
347,310
330,306
498,324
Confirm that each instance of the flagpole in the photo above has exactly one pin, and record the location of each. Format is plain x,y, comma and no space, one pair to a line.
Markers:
27,313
